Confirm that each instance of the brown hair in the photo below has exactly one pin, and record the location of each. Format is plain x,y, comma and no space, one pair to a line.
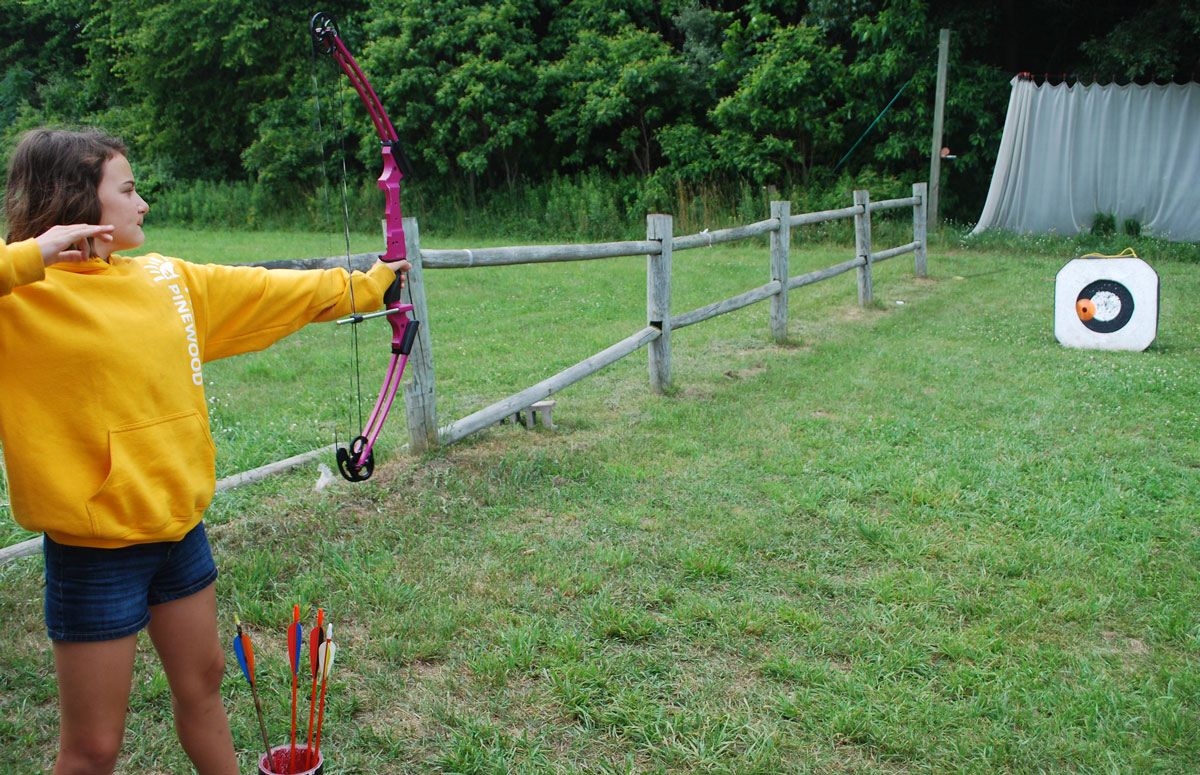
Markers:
53,178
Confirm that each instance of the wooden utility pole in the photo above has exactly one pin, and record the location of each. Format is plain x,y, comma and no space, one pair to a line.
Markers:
939,111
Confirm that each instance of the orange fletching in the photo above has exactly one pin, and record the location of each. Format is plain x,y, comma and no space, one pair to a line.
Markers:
248,648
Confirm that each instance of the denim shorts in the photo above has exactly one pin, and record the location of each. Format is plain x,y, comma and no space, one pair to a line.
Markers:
105,594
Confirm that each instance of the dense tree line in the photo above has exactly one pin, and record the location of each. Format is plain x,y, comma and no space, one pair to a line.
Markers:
492,95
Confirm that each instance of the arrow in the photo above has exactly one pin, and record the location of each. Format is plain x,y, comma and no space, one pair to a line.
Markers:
316,637
325,665
244,650
295,637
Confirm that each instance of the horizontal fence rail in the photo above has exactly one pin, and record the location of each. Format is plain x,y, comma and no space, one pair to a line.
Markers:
895,204
420,398
806,219
884,255
817,276
34,545
701,314
536,254
493,414
707,239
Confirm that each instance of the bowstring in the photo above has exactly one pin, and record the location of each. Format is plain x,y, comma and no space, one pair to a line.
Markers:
356,372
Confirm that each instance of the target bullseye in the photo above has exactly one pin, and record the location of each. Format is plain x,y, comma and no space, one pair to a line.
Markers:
1112,306
1108,305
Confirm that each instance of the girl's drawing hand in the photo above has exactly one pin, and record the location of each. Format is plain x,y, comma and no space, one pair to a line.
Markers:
70,243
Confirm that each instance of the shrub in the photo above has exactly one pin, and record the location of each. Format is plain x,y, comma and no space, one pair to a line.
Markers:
1104,224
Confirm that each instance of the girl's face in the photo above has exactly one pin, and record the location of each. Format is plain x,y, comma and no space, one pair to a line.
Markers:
120,206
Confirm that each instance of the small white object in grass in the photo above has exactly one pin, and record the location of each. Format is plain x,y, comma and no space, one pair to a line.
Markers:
324,479
899,301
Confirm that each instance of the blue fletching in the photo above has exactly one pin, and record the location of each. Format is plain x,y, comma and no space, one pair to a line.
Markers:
240,653
296,651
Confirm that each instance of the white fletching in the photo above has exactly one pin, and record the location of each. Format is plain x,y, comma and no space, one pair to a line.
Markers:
327,654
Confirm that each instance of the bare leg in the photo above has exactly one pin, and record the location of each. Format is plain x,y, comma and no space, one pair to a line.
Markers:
94,679
184,633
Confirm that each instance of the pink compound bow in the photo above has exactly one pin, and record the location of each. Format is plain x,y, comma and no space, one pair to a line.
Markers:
357,462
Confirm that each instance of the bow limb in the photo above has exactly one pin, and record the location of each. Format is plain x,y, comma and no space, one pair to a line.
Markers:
395,163
357,463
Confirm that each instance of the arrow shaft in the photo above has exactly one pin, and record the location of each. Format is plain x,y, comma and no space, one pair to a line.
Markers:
292,756
295,641
262,724
314,654
321,712
312,712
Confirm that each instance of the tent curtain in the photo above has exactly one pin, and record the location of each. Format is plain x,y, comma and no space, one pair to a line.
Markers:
1070,152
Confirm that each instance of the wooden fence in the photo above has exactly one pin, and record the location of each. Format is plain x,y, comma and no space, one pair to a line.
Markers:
658,247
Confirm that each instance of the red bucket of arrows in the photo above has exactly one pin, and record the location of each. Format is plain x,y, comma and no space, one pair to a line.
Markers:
294,757
283,762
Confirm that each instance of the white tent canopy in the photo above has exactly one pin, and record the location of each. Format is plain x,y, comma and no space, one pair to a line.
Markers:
1070,152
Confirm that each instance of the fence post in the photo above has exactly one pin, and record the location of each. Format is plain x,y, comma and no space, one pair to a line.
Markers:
658,300
781,242
420,402
920,255
862,246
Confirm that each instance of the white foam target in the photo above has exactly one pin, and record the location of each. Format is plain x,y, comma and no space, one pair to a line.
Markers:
1106,304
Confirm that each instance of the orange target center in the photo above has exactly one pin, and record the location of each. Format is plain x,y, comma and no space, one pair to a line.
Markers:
1086,309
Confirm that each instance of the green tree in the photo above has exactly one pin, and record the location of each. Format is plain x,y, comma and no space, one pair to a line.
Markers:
463,80
566,20
612,93
783,114
1161,42
44,56
189,76
887,44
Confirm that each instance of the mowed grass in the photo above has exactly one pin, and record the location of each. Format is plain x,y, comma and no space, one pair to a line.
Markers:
919,537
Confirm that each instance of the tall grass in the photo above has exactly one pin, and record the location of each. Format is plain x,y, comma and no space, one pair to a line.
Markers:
585,207
594,207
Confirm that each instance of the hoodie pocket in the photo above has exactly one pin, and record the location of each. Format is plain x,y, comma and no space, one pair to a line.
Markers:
161,473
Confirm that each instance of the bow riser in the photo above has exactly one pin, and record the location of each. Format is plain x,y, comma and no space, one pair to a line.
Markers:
393,220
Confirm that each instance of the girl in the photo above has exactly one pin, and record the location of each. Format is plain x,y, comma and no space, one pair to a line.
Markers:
101,368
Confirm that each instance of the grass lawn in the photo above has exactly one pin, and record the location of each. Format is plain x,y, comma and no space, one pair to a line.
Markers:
920,537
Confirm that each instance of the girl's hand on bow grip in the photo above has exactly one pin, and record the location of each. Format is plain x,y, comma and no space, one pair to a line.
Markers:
397,267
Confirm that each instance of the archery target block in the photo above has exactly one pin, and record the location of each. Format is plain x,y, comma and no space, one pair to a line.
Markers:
1106,304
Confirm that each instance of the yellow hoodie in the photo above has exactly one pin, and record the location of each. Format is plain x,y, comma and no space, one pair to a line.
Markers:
102,409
